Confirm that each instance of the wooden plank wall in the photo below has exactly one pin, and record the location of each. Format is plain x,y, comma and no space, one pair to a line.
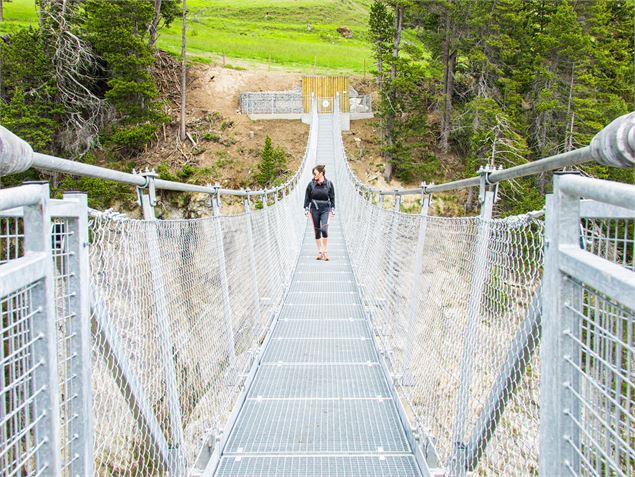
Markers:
325,87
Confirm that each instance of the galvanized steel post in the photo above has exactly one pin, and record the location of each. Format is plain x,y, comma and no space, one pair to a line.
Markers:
268,223
391,279
44,360
81,425
557,405
224,281
148,201
177,462
280,240
407,378
252,262
479,278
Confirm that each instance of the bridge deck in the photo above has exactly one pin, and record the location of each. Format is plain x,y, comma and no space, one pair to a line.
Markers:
320,404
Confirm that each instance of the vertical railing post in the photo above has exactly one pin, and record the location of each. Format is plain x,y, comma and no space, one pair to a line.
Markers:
364,260
356,224
224,281
407,379
559,410
44,361
81,426
479,278
268,226
280,239
390,286
252,264
148,201
177,457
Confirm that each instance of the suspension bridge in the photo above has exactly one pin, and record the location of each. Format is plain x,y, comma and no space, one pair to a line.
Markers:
427,346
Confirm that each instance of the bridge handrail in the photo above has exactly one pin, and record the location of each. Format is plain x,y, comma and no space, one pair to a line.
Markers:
613,146
16,155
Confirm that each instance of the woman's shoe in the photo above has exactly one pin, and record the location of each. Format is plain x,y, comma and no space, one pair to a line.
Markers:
320,256
325,257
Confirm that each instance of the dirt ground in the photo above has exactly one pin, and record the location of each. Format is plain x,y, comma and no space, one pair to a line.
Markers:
223,144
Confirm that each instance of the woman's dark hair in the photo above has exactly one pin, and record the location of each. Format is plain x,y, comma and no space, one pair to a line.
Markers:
320,168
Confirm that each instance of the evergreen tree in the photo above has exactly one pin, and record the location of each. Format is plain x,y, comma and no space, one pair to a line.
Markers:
273,164
280,162
380,31
267,165
118,31
28,107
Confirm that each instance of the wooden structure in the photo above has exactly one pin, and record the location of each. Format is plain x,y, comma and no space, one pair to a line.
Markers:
325,89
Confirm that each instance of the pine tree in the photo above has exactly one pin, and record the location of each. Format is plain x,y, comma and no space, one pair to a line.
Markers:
280,162
380,26
28,104
118,31
267,165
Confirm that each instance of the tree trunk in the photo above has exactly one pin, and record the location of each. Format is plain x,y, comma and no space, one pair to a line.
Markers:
390,116
154,26
570,119
399,10
1,14
449,64
380,66
183,70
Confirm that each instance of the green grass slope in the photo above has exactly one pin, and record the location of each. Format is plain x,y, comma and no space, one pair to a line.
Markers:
297,33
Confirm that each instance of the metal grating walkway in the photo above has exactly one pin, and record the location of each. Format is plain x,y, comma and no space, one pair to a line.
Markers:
320,404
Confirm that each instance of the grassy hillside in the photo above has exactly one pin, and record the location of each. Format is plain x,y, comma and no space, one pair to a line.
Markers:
298,33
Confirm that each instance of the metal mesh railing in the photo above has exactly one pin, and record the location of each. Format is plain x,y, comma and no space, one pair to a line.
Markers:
18,391
453,302
181,308
12,237
29,409
462,309
215,323
590,305
602,416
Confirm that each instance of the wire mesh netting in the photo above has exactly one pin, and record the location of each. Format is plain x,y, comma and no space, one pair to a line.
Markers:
11,238
18,390
215,324
182,307
454,327
604,389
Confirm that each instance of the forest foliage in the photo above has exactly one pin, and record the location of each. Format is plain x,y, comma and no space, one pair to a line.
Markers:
500,83
82,76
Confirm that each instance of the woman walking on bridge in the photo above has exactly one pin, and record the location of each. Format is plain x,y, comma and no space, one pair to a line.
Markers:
319,203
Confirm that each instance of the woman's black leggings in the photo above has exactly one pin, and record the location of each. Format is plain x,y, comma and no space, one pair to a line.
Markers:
320,218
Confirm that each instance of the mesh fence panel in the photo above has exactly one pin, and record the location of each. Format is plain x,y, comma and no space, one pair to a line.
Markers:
180,308
19,441
11,238
459,320
603,391
603,418
66,325
612,239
